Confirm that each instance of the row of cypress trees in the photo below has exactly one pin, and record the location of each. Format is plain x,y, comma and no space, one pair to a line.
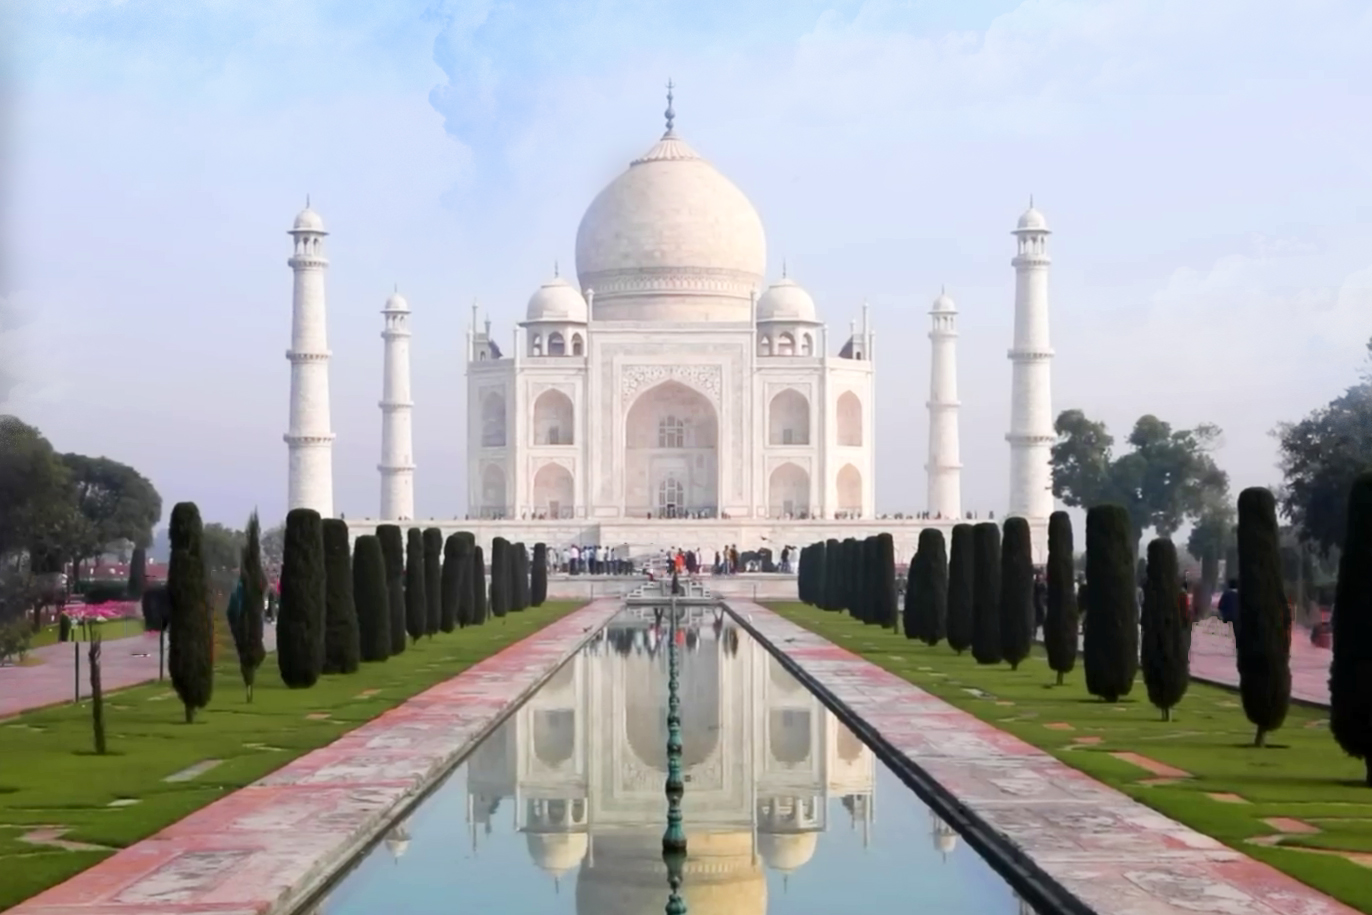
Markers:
854,575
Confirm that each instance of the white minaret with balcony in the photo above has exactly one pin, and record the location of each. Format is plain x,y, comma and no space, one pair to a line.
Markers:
1031,435
397,430
309,442
945,462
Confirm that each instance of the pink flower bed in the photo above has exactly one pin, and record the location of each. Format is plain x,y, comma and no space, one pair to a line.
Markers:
99,613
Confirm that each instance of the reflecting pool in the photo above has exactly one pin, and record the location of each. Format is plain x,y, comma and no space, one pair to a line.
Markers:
561,810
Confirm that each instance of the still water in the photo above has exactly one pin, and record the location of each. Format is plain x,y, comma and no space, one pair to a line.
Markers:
561,810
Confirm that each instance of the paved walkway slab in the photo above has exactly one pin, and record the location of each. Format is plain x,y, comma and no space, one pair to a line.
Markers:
264,848
123,663
1114,854
1212,660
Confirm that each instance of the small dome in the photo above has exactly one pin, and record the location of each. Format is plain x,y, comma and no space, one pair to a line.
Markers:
787,853
397,303
946,843
785,300
1032,220
308,221
944,304
557,300
398,841
557,853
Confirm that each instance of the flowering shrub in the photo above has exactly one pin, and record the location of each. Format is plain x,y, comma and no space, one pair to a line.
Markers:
99,613
14,640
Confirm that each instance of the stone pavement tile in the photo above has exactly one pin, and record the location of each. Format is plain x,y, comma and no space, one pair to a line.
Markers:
1114,853
285,833
1291,826
1151,765
1227,797
1212,660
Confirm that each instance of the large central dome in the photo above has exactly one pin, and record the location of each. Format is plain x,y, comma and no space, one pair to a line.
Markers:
671,239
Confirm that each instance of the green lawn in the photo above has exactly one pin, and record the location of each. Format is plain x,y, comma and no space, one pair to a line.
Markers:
113,629
1304,776
48,775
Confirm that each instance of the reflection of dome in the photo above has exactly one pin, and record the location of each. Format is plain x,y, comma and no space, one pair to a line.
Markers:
557,853
785,300
645,712
945,837
398,841
629,878
787,853
671,239
556,300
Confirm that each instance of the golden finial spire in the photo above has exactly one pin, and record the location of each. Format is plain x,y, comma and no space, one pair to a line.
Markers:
670,114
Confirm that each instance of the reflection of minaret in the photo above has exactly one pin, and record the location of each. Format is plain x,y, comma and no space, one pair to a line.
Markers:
398,840
945,838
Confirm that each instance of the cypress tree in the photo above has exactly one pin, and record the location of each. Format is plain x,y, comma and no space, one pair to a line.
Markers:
818,568
1164,655
802,575
926,596
1350,672
986,593
912,615
191,626
1016,592
852,575
1263,632
342,645
393,551
1112,647
300,626
500,578
833,575
1060,623
416,602
481,607
138,573
867,581
373,604
252,582
539,585
520,592
450,584
466,605
962,576
885,598
433,581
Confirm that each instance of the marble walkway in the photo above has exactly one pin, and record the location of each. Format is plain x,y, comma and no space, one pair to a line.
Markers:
1212,660
123,663
1114,854
265,848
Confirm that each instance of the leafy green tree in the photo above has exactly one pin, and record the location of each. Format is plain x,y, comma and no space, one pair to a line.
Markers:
1350,673
36,489
1060,626
116,501
1321,456
433,580
962,576
1263,632
416,601
191,653
342,640
1164,654
246,625
393,550
986,594
1211,539
1111,654
1168,478
300,621
372,600
539,584
1016,592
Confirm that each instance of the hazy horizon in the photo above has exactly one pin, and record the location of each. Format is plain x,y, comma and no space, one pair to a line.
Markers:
1204,170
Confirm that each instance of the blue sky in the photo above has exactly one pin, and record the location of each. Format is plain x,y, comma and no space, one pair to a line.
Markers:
1204,167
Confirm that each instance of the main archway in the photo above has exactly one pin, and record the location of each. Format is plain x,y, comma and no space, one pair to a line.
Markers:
554,491
671,459
788,492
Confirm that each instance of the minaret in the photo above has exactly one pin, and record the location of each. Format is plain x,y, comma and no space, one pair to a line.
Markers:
397,439
1031,435
945,462
309,441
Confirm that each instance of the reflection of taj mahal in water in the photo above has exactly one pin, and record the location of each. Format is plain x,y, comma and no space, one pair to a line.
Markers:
584,763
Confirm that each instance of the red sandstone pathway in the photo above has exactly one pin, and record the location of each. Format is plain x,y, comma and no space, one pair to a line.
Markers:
1113,853
123,663
268,846
1212,659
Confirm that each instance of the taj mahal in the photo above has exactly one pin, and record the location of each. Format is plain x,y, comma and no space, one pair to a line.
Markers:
671,395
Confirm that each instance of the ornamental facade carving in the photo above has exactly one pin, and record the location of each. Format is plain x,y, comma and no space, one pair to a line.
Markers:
708,379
